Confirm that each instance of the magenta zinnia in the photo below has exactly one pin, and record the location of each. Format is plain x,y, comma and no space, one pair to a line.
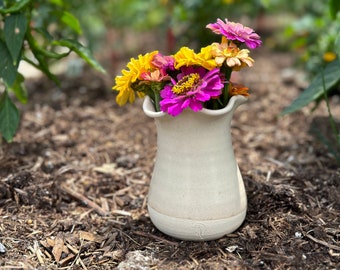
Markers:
193,87
237,32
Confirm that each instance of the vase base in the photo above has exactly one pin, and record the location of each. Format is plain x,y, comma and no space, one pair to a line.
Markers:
195,230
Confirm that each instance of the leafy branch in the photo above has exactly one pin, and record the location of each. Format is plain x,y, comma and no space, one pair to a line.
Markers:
39,28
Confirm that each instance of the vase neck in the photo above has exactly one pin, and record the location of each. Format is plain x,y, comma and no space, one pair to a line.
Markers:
234,102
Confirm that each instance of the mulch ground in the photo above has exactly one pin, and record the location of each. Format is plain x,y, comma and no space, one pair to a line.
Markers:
74,182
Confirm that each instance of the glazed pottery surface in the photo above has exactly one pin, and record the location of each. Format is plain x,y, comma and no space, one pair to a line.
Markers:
196,191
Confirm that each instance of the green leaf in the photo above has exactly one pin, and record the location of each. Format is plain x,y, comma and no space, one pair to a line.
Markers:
18,6
8,70
59,3
9,117
83,52
265,3
19,89
334,8
315,90
71,21
15,29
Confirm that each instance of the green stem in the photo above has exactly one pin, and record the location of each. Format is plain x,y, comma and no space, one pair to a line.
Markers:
225,95
42,56
36,49
225,92
157,99
330,115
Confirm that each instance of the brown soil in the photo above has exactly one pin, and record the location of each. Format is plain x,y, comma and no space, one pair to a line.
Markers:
73,184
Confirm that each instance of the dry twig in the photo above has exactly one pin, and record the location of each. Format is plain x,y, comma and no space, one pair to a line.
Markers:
322,242
84,200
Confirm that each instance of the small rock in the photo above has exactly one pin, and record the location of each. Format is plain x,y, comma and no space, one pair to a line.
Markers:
288,75
2,249
231,249
298,234
138,260
128,161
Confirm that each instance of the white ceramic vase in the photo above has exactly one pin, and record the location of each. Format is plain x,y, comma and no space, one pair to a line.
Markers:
196,191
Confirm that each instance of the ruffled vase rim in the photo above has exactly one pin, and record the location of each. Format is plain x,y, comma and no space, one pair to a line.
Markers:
234,102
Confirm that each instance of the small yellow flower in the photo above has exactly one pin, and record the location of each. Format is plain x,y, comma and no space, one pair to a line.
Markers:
329,56
136,67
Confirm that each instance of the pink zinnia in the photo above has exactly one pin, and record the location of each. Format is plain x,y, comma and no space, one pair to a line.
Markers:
163,62
193,87
157,75
236,31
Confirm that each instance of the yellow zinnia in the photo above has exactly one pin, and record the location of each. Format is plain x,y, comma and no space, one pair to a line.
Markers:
206,58
135,68
123,86
187,57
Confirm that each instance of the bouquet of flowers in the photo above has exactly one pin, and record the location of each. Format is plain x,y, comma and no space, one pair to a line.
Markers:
188,79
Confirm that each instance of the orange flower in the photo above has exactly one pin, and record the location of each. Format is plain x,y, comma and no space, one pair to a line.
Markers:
238,89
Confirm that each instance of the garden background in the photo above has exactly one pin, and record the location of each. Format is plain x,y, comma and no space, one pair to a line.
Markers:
74,172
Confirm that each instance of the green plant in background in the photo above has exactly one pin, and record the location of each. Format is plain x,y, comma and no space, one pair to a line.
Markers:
191,16
313,35
324,56
185,19
37,32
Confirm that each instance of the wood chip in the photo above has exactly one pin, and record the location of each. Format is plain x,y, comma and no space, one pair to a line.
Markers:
116,254
121,212
104,204
108,168
88,236
66,260
58,247
38,253
72,248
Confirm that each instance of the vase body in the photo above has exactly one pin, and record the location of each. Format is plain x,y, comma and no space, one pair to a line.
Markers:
196,191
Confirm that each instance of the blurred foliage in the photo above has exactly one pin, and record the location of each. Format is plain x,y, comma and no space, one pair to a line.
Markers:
185,19
314,35
319,36
36,32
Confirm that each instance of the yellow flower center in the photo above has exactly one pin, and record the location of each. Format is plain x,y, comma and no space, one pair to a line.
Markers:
186,84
